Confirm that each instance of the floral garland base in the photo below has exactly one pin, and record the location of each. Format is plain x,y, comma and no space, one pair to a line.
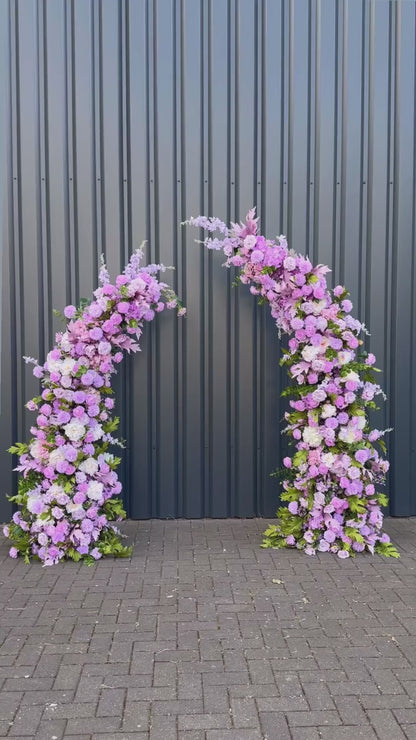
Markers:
68,504
330,483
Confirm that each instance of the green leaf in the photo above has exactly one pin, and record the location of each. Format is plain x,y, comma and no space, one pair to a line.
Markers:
20,448
387,549
300,457
382,499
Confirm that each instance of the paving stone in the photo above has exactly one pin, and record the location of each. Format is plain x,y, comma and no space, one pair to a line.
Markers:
274,725
105,653
26,721
385,724
364,732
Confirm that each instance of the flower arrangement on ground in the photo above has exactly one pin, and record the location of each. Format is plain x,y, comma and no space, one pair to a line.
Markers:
331,482
68,504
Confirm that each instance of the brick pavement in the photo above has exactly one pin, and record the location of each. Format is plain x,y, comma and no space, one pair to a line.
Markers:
204,636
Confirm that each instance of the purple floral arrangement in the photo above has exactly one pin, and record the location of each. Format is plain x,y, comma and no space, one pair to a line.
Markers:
330,483
68,504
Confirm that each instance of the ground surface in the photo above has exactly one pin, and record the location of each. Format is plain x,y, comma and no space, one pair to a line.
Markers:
204,636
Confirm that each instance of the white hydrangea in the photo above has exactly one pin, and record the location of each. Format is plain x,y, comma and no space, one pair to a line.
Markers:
95,490
54,366
97,432
89,466
328,459
71,507
65,343
310,353
37,450
55,490
328,410
352,375
67,366
74,430
312,436
57,455
344,357
348,434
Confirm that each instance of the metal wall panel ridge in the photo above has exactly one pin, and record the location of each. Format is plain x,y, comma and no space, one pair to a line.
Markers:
125,117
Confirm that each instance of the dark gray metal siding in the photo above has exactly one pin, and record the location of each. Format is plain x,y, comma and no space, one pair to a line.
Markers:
123,118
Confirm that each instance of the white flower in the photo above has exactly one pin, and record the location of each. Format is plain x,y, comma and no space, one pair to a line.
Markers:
65,343
71,507
319,306
37,450
328,410
312,436
328,459
318,366
95,490
348,434
56,456
319,395
323,344
67,366
97,432
54,366
344,357
54,490
352,375
310,353
89,466
74,430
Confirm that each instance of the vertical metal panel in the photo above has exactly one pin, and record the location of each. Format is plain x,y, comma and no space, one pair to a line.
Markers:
122,119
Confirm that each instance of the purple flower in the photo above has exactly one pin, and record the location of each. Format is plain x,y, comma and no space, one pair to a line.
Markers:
362,455
70,312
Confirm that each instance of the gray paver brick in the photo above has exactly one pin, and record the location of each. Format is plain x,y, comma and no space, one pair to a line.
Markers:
105,654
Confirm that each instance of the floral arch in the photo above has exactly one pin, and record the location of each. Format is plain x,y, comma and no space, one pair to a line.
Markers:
330,483
68,505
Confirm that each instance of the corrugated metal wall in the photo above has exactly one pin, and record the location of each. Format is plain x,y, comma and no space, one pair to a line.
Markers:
125,117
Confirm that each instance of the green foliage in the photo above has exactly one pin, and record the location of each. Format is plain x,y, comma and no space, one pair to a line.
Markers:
387,549
292,494
300,457
382,499
59,314
109,544
111,425
354,534
113,509
299,390
84,302
20,448
20,540
81,370
357,505
272,537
